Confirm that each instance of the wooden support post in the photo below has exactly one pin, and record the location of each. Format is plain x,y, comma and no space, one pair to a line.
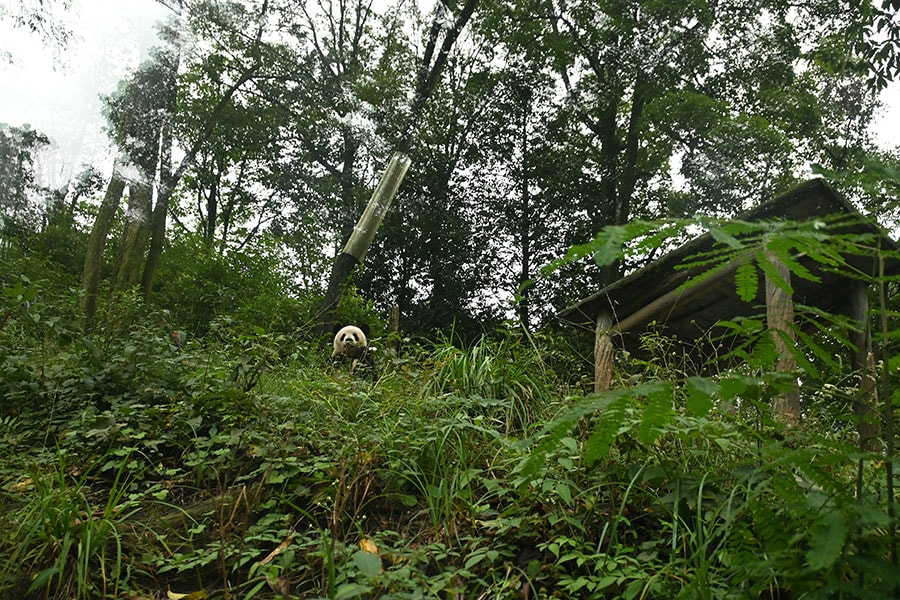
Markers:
780,321
394,329
604,351
862,360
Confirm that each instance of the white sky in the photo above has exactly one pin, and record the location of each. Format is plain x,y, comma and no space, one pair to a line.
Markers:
886,128
58,93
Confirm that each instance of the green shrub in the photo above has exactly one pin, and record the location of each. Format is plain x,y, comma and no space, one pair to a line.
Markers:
197,285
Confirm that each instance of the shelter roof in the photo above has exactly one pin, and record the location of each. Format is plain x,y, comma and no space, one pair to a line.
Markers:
652,294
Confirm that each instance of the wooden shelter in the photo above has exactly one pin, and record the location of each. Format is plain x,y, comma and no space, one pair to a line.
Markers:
621,312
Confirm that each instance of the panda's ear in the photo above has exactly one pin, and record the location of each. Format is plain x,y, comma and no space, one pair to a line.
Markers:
337,327
365,329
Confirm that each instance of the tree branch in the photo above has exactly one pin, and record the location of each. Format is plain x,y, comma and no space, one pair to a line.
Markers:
428,76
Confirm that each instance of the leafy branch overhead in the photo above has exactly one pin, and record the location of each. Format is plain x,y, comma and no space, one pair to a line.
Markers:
740,246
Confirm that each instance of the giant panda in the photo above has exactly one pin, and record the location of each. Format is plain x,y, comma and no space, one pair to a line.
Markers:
350,344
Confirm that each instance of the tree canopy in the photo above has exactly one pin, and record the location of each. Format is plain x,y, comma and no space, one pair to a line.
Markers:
545,121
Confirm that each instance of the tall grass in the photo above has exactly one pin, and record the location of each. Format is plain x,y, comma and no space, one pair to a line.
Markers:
63,537
507,378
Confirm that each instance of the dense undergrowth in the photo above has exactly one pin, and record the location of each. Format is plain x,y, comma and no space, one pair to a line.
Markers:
243,464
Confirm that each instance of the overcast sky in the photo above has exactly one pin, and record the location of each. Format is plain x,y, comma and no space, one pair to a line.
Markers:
58,92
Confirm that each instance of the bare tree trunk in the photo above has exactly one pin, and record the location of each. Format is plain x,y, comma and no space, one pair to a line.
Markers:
430,72
157,240
127,272
130,258
166,183
160,211
93,262
526,227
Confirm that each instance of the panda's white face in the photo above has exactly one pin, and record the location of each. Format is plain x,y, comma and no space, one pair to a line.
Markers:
348,337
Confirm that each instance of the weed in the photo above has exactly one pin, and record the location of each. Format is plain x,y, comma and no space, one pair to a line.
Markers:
62,540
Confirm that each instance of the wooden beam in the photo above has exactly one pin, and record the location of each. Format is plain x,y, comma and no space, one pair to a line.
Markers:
665,303
604,351
780,321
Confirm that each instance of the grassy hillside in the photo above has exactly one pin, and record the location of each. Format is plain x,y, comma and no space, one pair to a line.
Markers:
244,464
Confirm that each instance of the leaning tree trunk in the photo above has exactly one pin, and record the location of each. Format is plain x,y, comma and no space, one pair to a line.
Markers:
361,238
433,61
135,236
96,245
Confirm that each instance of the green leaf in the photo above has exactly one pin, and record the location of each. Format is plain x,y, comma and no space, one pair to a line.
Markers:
605,432
782,248
746,280
551,436
721,235
606,581
608,252
797,351
368,563
633,589
827,543
96,353
274,478
474,559
564,492
657,412
597,446
351,590
699,400
821,353
42,578
772,273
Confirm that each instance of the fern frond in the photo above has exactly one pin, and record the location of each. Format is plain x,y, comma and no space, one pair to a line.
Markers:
700,392
830,325
550,437
796,351
784,250
658,410
772,273
746,281
821,353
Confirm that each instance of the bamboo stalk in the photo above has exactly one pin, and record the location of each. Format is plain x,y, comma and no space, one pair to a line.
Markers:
364,231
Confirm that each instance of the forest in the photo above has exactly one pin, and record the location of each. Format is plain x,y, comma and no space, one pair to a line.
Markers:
173,423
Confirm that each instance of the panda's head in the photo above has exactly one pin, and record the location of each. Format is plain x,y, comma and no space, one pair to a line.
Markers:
350,341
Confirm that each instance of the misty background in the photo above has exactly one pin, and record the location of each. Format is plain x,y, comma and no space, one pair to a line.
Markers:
55,88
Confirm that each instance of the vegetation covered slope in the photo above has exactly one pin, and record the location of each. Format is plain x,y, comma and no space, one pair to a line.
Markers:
242,464
172,427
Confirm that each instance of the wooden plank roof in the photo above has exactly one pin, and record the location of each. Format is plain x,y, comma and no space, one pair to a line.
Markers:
650,293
